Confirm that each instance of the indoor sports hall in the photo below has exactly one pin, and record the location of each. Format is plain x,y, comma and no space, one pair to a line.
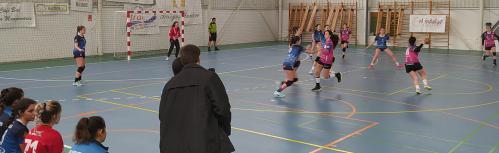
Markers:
438,93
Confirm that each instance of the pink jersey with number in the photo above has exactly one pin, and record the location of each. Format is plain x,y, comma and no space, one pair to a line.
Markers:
345,34
411,55
327,51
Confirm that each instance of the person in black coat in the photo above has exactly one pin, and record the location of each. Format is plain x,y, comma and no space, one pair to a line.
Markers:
194,111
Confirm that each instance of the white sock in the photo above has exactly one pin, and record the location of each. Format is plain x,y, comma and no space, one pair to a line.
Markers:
317,80
425,82
417,87
397,63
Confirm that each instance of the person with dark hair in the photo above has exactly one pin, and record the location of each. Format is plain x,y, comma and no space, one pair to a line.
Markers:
90,133
212,30
345,36
318,39
174,42
79,53
8,97
16,127
488,43
43,138
412,65
290,66
381,39
326,60
194,110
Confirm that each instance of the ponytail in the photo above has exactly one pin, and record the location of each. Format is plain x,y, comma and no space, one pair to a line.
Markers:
88,128
46,111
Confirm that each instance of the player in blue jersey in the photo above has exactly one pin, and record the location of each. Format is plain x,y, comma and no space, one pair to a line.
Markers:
290,65
13,138
381,46
79,53
318,40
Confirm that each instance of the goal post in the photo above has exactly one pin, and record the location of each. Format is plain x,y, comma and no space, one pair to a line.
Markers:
129,25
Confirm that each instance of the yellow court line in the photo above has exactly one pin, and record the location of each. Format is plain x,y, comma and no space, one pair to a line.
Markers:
239,129
122,105
302,125
474,132
494,148
401,90
129,87
291,140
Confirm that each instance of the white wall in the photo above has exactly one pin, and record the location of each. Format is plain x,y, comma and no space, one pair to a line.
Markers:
53,35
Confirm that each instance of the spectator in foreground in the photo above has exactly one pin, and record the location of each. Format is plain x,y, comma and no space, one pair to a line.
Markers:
44,138
16,126
194,111
89,135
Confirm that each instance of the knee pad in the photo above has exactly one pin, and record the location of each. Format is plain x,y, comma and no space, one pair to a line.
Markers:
80,69
289,83
295,80
494,53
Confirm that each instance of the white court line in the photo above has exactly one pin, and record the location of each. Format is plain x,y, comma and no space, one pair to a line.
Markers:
49,67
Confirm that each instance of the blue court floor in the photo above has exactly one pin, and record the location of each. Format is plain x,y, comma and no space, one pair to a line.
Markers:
371,111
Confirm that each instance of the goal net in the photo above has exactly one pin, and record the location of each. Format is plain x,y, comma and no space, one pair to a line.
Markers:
145,32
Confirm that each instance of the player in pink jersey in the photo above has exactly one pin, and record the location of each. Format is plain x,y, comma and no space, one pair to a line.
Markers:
345,36
326,59
488,40
43,138
413,66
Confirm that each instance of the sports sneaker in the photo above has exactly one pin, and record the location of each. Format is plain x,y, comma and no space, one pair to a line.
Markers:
166,59
216,48
209,49
484,57
279,94
317,88
343,56
427,87
418,91
77,84
495,63
338,76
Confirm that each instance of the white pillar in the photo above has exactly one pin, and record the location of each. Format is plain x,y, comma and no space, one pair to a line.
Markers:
99,27
366,20
482,5
281,17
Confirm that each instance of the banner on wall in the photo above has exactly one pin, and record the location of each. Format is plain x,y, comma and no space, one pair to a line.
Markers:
51,8
428,23
192,8
15,15
134,1
81,5
143,23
